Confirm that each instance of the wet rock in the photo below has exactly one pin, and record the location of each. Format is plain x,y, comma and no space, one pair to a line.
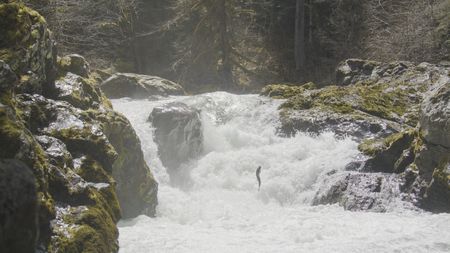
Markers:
56,151
79,92
139,86
178,133
361,191
317,121
136,187
390,155
19,208
75,64
435,116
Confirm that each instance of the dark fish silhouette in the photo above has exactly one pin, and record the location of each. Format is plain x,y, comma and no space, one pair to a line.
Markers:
258,173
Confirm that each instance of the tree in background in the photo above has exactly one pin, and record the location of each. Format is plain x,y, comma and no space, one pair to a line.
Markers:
244,44
416,33
103,31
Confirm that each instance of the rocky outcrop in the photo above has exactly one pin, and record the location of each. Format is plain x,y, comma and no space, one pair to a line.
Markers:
353,71
139,86
178,133
86,159
399,112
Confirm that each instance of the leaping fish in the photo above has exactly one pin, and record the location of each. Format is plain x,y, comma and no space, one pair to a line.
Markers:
258,173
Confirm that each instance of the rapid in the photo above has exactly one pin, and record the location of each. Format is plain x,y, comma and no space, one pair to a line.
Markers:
218,208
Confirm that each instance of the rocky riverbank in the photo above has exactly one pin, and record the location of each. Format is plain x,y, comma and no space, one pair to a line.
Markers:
71,166
399,112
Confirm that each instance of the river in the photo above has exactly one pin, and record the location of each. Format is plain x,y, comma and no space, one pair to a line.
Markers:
218,207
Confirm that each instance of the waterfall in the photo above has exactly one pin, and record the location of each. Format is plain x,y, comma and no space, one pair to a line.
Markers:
218,208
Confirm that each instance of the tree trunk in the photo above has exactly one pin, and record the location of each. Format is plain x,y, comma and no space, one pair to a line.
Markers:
226,68
300,57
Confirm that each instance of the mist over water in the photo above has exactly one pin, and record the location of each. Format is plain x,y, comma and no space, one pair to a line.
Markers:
218,208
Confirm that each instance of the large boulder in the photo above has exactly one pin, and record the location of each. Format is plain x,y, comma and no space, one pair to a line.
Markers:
86,159
178,133
361,191
18,212
139,86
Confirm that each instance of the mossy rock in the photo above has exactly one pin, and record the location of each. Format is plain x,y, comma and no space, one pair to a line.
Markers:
392,102
392,154
27,46
73,63
136,186
283,91
83,93
16,142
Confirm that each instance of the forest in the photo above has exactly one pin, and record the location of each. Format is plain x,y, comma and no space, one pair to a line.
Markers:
242,45
136,126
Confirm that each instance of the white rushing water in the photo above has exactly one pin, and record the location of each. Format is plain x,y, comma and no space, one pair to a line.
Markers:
222,210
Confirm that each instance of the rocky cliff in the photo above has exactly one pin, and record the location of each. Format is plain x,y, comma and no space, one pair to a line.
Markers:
70,165
398,112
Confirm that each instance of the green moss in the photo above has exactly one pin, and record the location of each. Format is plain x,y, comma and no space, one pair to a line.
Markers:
298,102
16,21
372,147
84,141
281,90
10,134
380,100
84,239
92,171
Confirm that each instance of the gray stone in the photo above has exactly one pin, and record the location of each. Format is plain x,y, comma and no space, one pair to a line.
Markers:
178,133
139,86
435,116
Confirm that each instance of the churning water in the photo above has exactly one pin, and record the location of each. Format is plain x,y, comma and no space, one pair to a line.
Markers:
219,207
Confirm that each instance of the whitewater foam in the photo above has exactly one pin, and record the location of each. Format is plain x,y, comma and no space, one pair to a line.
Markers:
221,210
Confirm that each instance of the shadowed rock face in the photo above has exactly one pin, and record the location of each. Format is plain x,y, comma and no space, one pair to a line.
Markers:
86,159
178,133
139,86
18,212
